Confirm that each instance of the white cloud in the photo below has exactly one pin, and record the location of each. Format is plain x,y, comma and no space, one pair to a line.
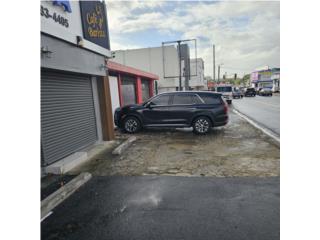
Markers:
246,34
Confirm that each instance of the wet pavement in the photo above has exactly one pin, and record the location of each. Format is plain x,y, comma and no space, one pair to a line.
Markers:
165,207
173,184
238,149
262,109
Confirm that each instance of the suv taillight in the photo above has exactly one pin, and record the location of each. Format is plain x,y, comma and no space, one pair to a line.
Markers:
225,107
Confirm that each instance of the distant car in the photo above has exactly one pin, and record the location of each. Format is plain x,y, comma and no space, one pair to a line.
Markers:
237,94
198,109
250,92
226,91
265,92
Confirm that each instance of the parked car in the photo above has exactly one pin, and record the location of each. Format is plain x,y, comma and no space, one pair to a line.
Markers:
200,110
236,93
250,92
226,91
242,90
265,92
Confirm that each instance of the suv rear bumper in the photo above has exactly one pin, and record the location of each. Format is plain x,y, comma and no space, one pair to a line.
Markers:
219,124
222,121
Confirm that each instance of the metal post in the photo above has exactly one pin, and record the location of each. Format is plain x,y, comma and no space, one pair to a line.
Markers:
180,81
214,63
218,73
180,56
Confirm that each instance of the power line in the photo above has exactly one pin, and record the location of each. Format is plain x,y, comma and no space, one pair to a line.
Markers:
243,69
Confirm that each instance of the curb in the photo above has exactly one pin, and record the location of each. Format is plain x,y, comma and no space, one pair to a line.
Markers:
258,126
62,194
123,146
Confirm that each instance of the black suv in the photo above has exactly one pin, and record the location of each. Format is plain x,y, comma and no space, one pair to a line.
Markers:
250,92
200,110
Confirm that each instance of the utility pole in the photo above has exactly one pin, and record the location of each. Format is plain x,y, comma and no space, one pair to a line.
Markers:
219,66
180,80
214,63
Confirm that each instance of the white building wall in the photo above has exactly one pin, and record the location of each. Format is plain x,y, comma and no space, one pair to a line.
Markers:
115,100
151,60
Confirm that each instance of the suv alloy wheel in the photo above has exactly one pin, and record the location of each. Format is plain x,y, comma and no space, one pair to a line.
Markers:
201,125
131,125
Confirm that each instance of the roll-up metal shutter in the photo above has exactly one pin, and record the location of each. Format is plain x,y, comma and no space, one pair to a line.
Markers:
67,115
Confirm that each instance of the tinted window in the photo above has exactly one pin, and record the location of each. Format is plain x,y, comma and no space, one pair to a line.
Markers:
161,100
224,89
210,99
196,100
182,99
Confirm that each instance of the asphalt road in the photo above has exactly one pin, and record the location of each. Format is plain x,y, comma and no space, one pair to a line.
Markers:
165,207
263,110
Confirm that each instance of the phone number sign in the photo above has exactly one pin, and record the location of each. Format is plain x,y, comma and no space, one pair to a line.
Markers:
44,12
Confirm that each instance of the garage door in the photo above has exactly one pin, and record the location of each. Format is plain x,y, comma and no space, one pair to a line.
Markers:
67,115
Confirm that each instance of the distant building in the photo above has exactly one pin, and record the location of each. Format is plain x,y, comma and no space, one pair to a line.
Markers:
275,77
269,78
163,62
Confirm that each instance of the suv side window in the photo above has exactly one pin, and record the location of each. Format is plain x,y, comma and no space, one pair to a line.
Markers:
210,99
182,99
196,99
162,100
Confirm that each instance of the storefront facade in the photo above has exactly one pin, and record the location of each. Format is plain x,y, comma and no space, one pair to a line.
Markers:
75,97
129,85
269,78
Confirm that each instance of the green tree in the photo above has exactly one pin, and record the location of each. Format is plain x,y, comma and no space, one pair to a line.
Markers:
246,79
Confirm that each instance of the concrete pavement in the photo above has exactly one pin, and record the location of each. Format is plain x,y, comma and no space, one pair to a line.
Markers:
237,149
263,110
164,207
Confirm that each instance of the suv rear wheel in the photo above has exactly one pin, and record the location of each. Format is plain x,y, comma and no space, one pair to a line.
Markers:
201,125
131,125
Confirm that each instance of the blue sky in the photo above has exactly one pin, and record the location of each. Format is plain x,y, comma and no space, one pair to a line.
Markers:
246,34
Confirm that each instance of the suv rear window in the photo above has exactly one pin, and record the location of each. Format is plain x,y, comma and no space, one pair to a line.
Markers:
224,89
211,99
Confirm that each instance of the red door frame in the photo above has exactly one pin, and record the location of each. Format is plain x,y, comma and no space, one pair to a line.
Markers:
151,86
120,90
138,90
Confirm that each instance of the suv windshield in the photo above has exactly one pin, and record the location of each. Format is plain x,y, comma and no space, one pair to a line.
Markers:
224,89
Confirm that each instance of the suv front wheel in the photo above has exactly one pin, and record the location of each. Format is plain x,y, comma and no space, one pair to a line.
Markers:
131,125
201,125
